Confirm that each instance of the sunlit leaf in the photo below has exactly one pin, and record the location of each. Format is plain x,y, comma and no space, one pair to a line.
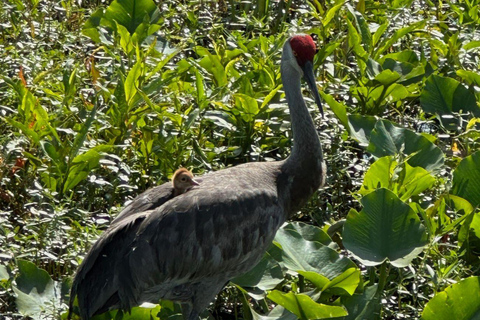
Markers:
386,228
459,301
304,307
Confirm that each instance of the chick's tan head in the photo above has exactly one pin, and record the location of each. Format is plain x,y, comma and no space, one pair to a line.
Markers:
183,181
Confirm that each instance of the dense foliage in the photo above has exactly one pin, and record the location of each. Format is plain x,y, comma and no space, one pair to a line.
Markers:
100,101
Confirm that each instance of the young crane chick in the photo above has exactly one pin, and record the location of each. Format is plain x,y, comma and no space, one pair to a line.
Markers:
182,181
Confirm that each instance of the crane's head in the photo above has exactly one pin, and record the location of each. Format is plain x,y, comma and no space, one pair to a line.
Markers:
183,181
299,51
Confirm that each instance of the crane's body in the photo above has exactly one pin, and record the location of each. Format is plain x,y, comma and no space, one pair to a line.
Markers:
187,248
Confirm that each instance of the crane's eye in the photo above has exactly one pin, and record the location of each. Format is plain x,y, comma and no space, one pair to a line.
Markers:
295,53
183,179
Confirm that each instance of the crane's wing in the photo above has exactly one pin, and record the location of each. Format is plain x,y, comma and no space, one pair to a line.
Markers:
95,281
148,200
208,235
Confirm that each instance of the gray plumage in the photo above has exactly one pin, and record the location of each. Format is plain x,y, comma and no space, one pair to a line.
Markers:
186,248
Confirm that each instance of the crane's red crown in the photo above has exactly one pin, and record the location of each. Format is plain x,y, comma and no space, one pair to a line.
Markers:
303,48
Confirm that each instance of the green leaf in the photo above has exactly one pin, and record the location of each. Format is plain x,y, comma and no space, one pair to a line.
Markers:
83,164
304,249
446,95
344,284
304,307
471,77
466,179
4,274
404,180
131,82
387,77
247,105
35,290
390,139
339,109
213,65
459,301
360,128
386,228
364,305
331,13
266,275
400,33
130,13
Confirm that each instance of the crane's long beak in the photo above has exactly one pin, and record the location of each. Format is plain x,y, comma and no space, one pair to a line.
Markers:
310,78
195,183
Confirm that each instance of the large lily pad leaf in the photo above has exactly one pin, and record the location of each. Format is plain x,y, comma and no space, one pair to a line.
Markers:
386,228
389,139
36,292
304,252
460,301
304,307
385,138
266,275
446,95
466,179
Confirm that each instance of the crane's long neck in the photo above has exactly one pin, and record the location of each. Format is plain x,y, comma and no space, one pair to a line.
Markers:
304,170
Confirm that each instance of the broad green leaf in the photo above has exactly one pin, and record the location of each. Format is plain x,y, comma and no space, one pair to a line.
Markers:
459,301
247,105
403,180
278,313
36,292
360,128
130,13
471,45
387,77
390,139
302,250
364,305
346,283
266,275
413,180
466,179
470,77
90,27
446,95
386,228
304,307
379,175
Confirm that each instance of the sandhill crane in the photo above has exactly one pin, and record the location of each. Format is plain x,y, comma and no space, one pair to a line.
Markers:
182,181
187,249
